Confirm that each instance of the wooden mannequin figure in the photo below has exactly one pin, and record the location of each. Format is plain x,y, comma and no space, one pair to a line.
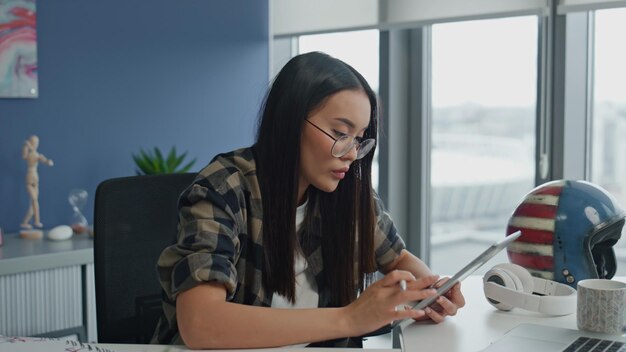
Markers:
33,158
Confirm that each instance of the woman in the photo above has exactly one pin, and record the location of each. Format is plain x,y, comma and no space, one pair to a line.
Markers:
278,243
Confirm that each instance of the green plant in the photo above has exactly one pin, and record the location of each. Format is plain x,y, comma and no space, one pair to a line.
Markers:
153,162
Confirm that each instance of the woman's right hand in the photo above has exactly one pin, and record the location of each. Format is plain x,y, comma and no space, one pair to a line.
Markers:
376,306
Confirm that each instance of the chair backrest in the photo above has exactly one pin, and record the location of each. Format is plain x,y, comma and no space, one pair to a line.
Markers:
135,219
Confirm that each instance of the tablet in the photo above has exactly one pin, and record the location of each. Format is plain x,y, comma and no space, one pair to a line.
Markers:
466,271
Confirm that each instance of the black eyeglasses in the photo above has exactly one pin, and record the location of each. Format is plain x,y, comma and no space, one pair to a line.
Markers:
345,143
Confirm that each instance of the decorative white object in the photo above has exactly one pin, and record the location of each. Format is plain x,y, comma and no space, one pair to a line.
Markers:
59,233
601,306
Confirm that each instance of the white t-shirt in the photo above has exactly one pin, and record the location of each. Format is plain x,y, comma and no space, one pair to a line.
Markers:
306,288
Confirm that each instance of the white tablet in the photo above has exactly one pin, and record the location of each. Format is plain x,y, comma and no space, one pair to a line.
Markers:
466,271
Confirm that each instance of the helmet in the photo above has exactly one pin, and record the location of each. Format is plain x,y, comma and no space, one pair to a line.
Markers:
568,232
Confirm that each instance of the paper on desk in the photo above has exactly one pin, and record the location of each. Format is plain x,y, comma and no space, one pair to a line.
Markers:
37,344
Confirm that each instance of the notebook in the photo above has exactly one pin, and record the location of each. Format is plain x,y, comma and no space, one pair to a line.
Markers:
533,337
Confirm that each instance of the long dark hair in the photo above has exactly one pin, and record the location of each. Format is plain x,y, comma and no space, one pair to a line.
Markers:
303,84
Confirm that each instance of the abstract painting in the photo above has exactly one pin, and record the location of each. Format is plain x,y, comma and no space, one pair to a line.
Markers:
18,49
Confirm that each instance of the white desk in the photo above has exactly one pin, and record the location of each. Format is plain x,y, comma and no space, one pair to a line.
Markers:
32,345
475,326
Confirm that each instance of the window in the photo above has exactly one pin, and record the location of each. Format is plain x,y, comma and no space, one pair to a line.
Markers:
484,88
608,131
476,82
359,49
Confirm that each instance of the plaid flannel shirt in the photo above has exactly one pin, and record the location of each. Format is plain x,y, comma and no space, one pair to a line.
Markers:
220,239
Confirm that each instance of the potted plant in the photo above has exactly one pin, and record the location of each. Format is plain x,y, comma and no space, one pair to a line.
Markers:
153,162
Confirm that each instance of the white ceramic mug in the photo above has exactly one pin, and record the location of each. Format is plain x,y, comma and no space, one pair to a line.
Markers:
601,306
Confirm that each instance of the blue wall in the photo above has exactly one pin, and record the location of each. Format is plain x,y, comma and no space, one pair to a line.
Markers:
119,75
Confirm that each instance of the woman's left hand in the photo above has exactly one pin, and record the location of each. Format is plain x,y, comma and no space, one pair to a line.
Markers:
447,304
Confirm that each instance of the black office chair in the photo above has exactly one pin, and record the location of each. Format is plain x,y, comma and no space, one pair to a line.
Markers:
135,219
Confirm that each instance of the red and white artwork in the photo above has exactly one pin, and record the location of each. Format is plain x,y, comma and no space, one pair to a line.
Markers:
18,49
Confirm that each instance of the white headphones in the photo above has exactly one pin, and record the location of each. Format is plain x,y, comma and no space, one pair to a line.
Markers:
509,285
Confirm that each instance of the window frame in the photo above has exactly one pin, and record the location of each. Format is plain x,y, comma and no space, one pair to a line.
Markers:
411,210
563,115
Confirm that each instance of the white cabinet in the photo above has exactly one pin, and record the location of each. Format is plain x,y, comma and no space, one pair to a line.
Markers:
47,287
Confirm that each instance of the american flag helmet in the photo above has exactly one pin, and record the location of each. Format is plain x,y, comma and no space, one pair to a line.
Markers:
568,232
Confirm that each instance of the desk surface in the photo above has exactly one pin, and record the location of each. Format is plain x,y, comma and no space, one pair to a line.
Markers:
472,329
8,344
19,255
477,325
